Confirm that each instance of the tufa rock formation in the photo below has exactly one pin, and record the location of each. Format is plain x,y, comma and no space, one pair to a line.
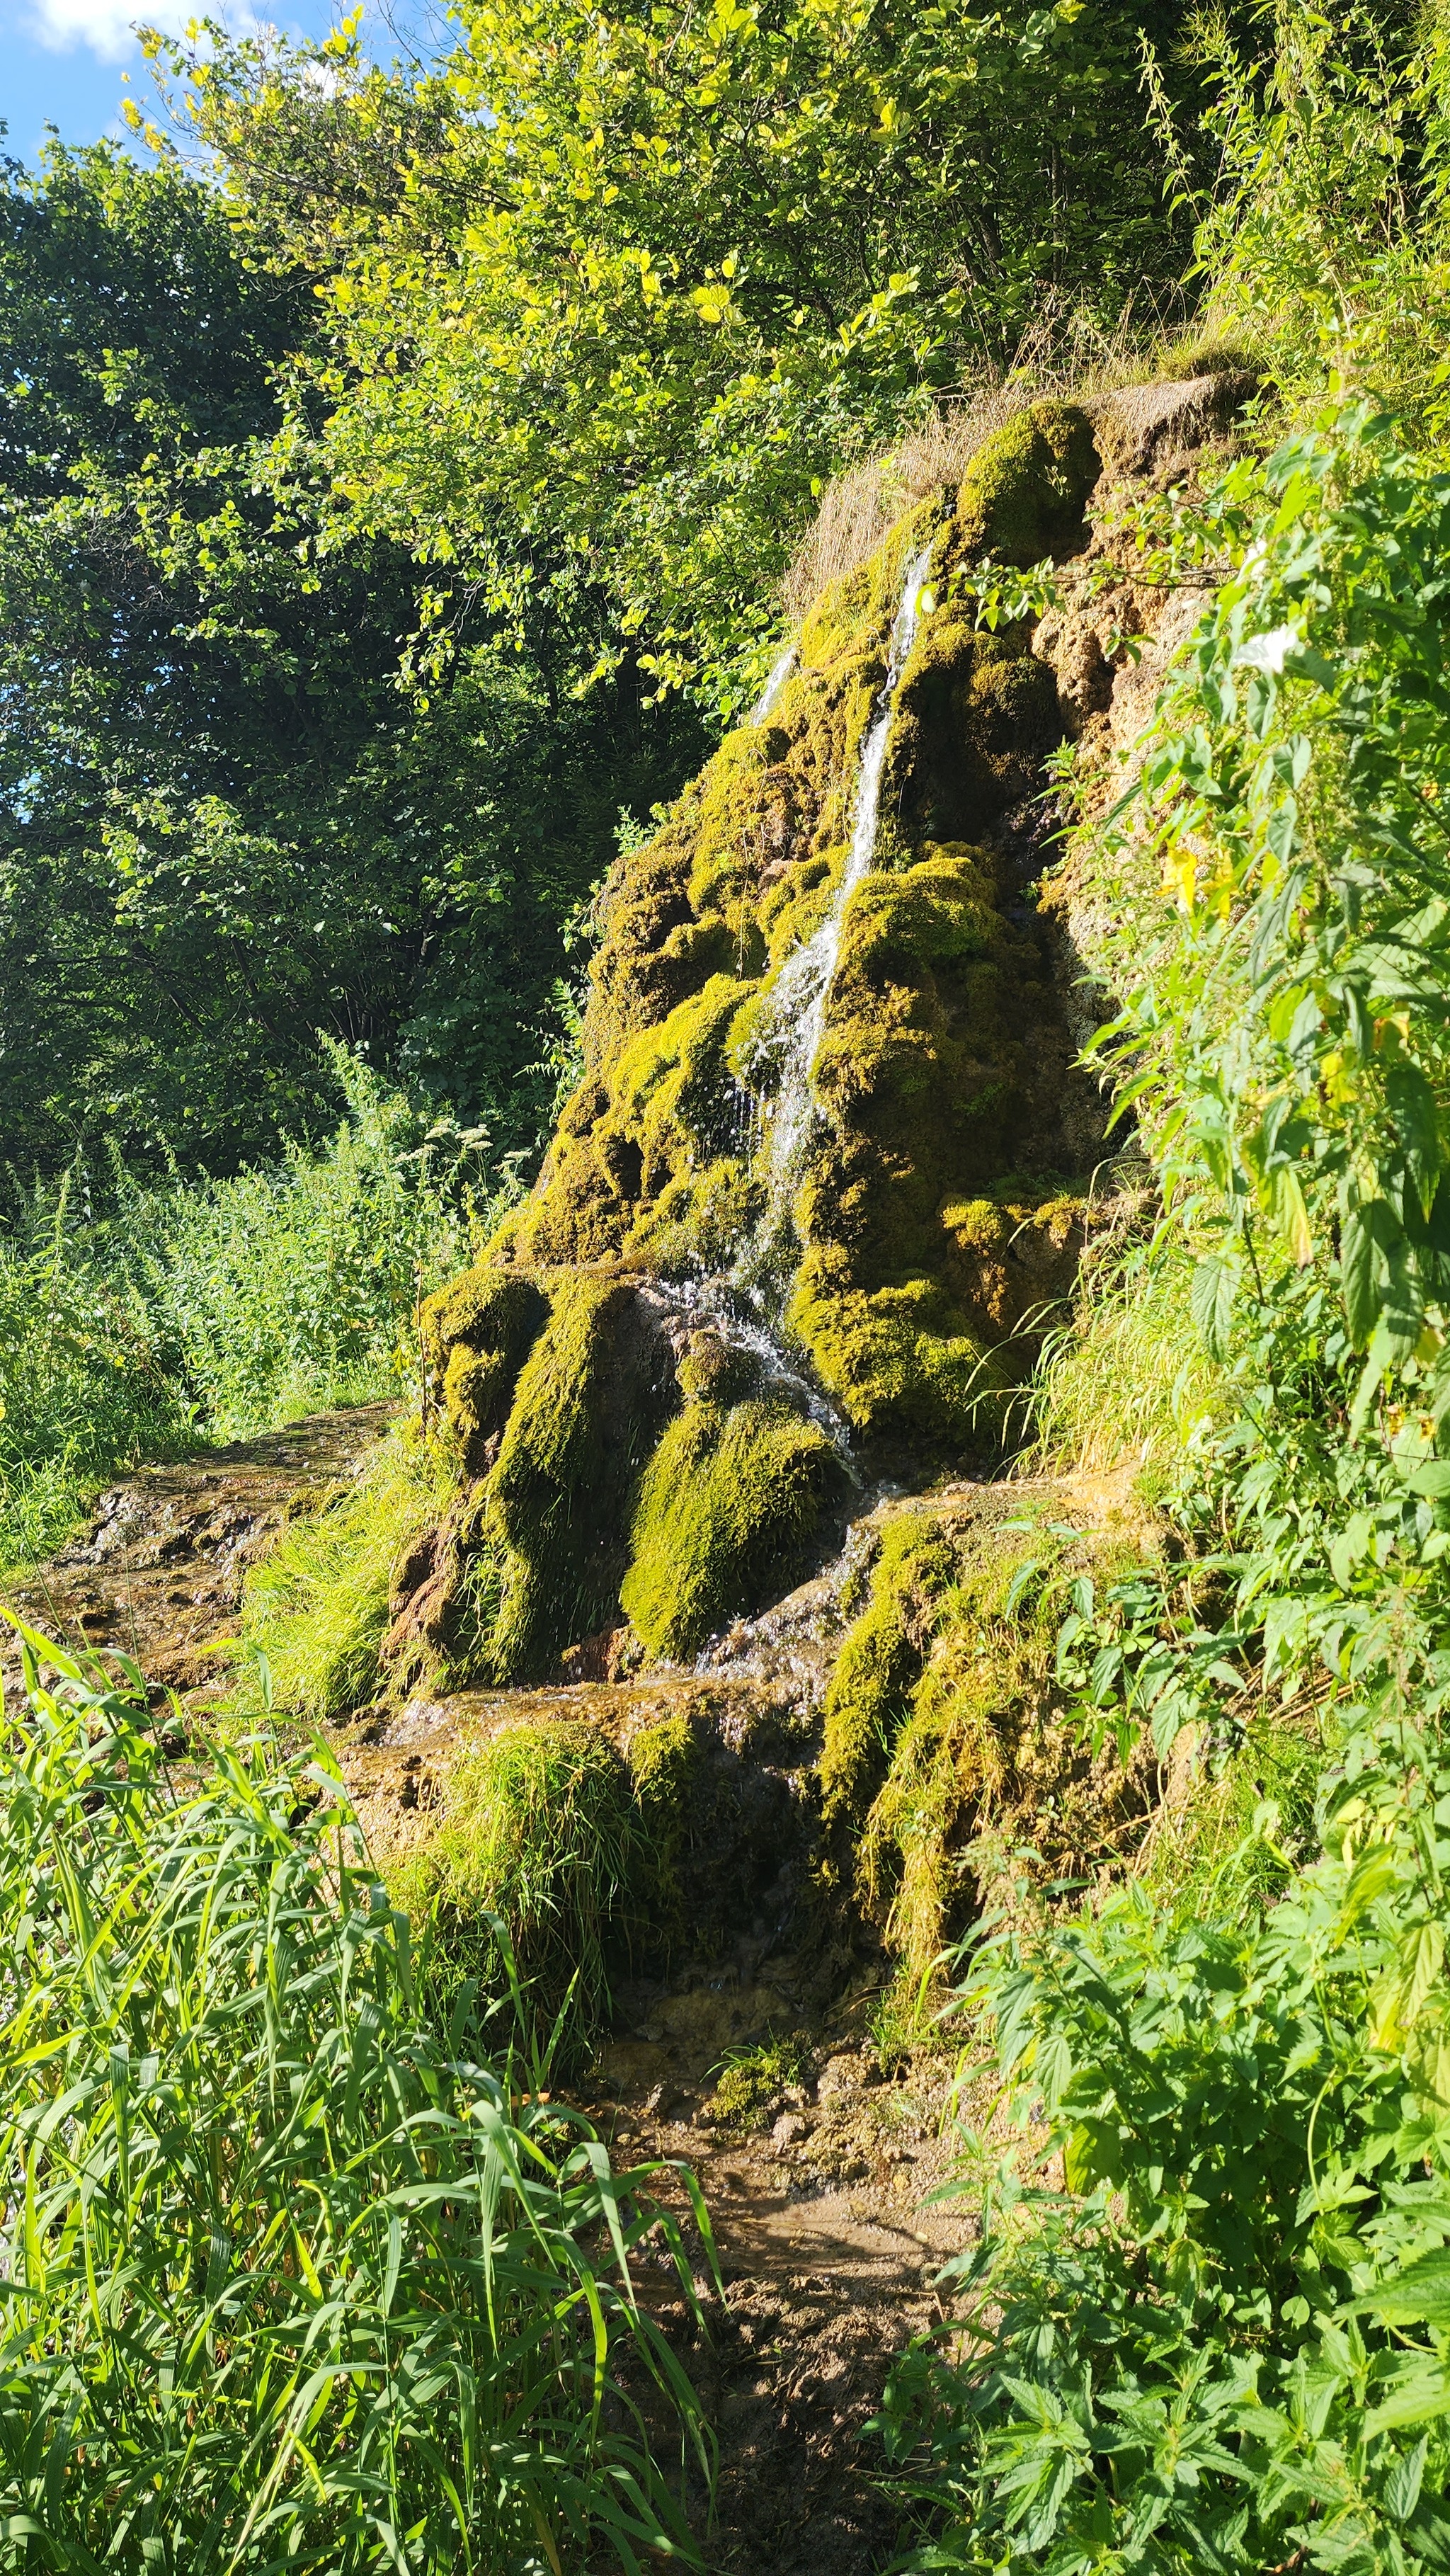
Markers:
828,1161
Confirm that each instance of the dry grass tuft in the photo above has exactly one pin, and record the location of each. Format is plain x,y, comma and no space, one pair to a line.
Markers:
1063,353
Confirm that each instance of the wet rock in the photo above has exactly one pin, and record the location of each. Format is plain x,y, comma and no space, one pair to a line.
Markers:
789,2129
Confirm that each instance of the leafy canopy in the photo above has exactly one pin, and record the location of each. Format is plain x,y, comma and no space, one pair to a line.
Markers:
655,271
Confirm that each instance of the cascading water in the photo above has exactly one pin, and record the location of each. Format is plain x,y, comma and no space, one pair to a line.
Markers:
772,689
713,1305
783,1058
787,1044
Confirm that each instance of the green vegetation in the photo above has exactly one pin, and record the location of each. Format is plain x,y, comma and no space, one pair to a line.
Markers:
1214,2332
223,826
537,1846
287,2276
724,1506
751,2080
318,1609
139,1319
1137,1778
880,1658
626,284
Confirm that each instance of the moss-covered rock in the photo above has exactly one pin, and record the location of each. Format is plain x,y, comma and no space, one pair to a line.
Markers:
925,1216
476,1335
730,1497
589,1405
880,1660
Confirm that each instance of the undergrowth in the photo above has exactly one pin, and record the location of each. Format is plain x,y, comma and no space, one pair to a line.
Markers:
139,1319
290,2280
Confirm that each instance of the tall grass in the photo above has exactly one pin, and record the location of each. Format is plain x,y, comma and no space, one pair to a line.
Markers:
137,1317
316,1607
85,1379
286,2282
1127,1375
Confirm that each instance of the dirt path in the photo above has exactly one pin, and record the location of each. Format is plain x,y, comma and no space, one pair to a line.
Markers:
826,2250
829,2259
158,1572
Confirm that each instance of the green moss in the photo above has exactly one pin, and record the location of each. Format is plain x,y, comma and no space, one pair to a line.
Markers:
752,2080
1023,494
664,1763
587,1409
984,1745
730,1497
539,1831
880,1660
476,1335
946,1063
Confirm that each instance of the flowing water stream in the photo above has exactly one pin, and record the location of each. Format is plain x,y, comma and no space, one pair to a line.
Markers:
789,1039
780,673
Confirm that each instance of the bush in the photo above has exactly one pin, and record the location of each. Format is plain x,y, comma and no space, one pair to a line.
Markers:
294,1287
287,2282
85,1383
1224,2342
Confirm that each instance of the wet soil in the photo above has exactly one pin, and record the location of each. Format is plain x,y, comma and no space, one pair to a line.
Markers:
157,1573
829,2250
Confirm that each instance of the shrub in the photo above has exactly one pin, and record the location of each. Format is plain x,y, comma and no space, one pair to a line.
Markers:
139,1319
1223,2342
86,1382
287,2281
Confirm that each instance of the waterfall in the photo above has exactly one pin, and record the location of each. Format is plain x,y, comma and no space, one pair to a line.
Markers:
715,1305
789,1039
772,689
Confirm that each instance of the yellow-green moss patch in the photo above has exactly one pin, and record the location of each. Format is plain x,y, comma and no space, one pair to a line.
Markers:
729,1498
880,1660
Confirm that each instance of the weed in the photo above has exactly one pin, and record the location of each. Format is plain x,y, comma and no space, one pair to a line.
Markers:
138,1320
751,2080
285,2276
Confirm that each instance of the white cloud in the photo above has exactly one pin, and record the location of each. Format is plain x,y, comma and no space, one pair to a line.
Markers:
106,26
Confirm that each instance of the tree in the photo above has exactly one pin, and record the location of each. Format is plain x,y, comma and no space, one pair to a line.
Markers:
618,284
224,826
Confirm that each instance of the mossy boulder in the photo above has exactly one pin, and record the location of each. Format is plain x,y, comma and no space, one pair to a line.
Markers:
729,1499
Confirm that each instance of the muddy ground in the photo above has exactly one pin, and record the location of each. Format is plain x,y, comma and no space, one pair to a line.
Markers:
825,2234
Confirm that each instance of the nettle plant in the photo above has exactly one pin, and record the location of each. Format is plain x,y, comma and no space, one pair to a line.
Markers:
1287,1049
1227,2342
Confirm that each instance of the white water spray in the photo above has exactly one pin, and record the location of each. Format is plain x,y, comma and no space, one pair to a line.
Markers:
790,1038
714,1305
780,673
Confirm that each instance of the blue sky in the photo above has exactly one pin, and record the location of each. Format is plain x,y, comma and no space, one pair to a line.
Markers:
63,62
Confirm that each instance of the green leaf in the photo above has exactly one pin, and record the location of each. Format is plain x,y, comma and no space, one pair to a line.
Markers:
1420,2295
1212,1297
1417,1126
